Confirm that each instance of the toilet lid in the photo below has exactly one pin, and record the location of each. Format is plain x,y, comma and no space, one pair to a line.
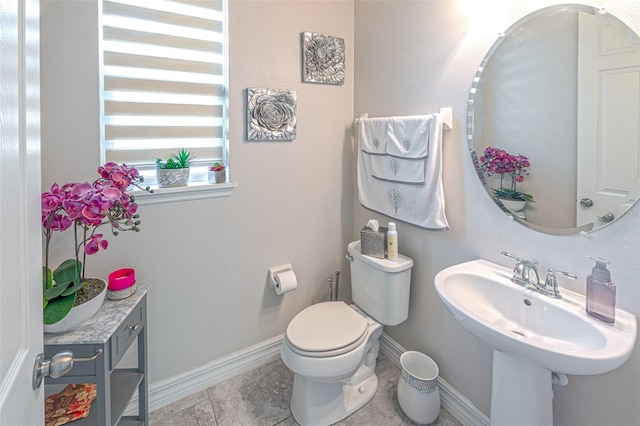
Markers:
327,327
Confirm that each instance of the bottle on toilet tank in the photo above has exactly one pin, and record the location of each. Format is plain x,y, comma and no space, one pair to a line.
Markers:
392,242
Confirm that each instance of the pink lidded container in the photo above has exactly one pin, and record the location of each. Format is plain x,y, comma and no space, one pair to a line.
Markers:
122,284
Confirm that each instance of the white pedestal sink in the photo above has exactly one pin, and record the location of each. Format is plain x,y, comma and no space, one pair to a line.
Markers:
532,335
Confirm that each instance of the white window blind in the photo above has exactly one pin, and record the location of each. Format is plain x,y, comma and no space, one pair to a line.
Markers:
164,82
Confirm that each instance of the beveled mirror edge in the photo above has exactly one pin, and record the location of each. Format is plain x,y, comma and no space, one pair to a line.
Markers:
579,230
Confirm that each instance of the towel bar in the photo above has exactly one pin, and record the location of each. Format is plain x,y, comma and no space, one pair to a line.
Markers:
447,117
446,114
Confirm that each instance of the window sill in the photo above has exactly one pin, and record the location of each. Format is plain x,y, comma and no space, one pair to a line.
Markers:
194,191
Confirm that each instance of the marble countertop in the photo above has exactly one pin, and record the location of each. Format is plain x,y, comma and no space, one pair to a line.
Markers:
100,328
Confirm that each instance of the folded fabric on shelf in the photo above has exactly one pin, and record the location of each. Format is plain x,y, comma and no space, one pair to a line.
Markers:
72,403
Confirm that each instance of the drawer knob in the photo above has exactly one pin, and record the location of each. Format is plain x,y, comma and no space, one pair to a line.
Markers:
134,327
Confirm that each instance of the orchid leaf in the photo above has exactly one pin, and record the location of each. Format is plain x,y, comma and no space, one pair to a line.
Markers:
55,291
58,309
68,271
72,289
67,280
47,278
509,194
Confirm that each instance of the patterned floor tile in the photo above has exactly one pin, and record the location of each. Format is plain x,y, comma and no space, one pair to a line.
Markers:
261,397
200,414
257,398
176,407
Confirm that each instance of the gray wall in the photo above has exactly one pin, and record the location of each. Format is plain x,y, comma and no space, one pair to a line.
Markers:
414,57
206,261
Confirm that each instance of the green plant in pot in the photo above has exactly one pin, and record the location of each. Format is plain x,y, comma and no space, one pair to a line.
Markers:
217,173
85,207
174,171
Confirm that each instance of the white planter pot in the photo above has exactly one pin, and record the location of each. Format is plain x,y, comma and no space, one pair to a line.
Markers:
169,178
514,205
78,314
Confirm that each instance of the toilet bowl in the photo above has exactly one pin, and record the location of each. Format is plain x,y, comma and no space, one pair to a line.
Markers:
334,371
332,347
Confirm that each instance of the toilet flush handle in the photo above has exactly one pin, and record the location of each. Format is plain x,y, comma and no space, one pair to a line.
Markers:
349,257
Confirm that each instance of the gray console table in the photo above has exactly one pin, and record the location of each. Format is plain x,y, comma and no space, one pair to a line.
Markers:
109,334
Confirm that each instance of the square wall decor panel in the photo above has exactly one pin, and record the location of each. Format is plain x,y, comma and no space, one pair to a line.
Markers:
271,114
322,59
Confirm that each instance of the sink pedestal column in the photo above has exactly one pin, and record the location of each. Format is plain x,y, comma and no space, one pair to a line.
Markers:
521,392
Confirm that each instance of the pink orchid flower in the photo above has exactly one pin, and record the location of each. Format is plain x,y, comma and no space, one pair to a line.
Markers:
95,243
50,202
90,205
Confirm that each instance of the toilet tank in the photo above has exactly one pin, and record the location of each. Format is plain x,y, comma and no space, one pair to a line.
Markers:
380,287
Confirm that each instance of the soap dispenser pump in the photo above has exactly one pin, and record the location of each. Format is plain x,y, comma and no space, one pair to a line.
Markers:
601,292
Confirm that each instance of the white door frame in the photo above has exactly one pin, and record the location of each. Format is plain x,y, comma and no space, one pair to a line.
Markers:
20,228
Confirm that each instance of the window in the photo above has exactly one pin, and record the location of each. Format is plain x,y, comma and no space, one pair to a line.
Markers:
164,82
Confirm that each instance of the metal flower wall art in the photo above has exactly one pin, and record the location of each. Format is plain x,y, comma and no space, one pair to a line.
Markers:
271,114
322,59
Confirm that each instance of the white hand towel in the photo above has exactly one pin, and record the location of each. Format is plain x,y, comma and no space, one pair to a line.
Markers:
397,169
418,204
405,137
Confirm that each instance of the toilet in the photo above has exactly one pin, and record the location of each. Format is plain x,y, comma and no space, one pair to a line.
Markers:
332,347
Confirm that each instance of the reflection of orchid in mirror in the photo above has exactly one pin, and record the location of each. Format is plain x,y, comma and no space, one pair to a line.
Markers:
496,161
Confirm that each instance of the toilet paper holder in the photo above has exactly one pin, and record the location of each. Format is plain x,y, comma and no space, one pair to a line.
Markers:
278,270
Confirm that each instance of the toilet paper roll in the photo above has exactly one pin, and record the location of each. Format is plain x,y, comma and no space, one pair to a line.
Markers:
285,282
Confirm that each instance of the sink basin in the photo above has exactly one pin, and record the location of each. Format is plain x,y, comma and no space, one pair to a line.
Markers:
556,333
531,335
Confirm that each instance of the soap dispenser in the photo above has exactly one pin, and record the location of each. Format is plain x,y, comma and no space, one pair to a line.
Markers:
601,292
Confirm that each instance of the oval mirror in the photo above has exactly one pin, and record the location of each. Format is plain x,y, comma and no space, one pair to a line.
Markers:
553,119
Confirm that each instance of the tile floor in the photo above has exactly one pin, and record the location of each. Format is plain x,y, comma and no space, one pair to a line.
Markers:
261,398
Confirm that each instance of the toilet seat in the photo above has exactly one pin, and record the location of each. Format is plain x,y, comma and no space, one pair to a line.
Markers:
326,329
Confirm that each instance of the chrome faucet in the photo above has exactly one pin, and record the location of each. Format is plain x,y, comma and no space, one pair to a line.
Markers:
525,274
550,287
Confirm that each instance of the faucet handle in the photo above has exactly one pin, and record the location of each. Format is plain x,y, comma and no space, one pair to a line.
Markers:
517,259
565,274
551,283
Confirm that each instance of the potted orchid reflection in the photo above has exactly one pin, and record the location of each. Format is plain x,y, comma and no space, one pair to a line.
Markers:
512,170
85,207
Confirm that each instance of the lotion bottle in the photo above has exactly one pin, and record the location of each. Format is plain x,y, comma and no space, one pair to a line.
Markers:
601,292
392,242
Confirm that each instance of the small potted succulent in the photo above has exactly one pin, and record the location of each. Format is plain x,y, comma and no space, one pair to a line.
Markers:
175,171
217,173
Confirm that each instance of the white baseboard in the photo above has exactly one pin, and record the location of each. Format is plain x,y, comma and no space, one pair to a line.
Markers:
452,400
175,388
